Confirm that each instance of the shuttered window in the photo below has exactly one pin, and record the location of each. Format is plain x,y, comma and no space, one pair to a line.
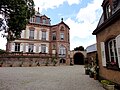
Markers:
110,53
118,48
103,54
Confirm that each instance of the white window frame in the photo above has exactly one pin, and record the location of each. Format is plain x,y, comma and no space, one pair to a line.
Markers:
44,21
37,17
112,49
54,36
31,48
108,10
32,19
44,34
43,48
31,34
61,36
17,47
118,48
62,50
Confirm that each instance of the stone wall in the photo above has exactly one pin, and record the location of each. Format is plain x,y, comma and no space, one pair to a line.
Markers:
26,61
91,57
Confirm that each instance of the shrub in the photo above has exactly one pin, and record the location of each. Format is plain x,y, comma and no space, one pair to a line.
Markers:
107,82
2,51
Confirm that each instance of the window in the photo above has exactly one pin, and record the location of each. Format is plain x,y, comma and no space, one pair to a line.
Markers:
108,10
54,47
43,48
44,21
62,28
31,48
109,54
53,36
31,34
62,36
68,37
17,47
37,19
43,35
32,19
112,51
62,50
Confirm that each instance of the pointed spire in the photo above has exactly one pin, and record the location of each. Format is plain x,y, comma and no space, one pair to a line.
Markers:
38,11
61,19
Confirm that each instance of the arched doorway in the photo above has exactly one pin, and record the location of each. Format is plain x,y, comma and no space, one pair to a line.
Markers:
62,61
79,59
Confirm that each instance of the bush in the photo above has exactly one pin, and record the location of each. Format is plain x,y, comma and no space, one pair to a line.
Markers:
2,51
107,82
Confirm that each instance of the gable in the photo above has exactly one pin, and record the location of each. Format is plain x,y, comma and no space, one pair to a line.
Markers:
106,21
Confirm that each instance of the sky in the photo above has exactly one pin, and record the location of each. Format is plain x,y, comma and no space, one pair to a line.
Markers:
82,16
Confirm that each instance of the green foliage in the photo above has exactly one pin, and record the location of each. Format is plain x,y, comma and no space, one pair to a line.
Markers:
80,48
47,62
54,61
107,82
17,14
2,51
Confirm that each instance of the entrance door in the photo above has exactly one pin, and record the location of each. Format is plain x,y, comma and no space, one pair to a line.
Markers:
62,61
78,59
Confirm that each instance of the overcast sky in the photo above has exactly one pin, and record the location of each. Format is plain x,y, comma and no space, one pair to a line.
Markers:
81,16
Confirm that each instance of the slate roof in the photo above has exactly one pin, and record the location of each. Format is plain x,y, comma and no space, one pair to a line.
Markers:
91,48
104,23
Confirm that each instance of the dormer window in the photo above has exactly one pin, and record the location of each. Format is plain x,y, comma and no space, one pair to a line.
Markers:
32,19
37,19
44,21
62,28
108,10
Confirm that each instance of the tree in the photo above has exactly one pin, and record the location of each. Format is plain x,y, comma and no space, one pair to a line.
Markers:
80,48
16,13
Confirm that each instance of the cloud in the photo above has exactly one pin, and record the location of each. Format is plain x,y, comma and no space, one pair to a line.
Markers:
70,2
45,4
87,20
90,13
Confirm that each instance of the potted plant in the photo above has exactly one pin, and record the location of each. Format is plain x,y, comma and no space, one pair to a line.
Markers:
54,61
108,84
47,62
95,75
87,69
92,71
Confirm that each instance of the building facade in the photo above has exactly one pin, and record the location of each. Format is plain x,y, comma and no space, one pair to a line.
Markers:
108,41
91,54
43,38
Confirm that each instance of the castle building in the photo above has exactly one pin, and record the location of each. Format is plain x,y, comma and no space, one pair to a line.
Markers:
43,38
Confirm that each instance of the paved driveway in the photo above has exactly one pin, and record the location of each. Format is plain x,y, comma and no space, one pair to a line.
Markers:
46,78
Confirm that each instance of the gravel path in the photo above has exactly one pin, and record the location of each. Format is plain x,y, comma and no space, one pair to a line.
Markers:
47,78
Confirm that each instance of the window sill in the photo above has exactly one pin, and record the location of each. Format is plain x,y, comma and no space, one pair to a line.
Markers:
113,67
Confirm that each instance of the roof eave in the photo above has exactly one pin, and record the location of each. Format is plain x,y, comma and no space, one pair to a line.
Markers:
107,22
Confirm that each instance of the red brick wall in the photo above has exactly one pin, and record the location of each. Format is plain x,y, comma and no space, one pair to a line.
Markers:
110,31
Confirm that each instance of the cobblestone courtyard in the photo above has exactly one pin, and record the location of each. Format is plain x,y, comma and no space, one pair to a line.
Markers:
46,78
